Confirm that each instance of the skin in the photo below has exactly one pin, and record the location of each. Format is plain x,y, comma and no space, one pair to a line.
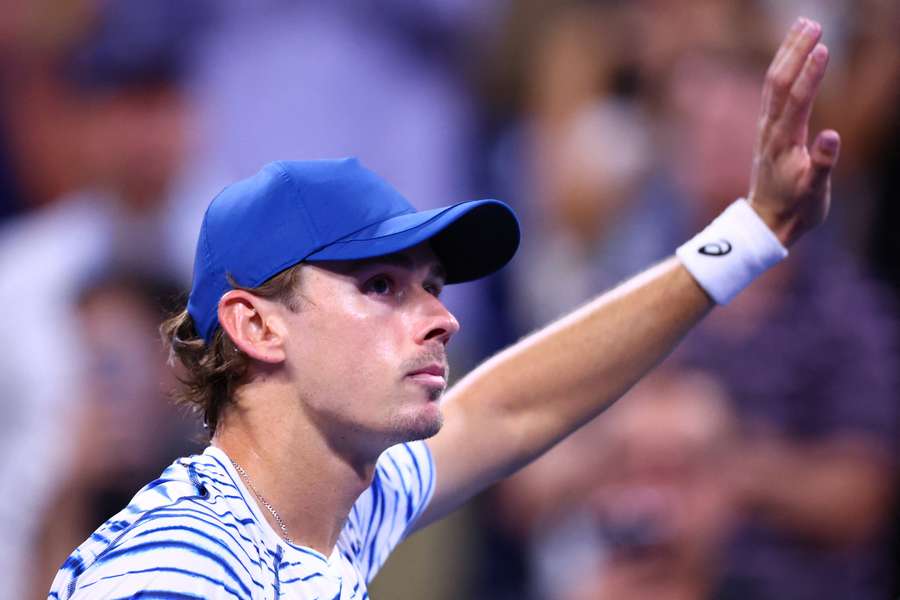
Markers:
324,404
330,386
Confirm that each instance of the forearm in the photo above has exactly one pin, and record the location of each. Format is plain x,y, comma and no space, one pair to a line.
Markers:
527,398
557,379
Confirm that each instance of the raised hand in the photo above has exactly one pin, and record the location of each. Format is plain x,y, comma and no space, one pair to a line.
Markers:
790,185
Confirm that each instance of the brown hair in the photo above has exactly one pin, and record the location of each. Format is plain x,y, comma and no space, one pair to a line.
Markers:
212,372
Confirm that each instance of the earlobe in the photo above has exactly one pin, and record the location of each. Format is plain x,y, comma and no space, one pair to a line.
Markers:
252,325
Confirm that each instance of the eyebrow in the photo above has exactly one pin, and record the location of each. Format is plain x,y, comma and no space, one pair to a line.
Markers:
401,260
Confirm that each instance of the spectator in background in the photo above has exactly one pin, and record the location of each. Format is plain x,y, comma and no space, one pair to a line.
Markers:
633,506
39,127
815,471
573,153
132,135
824,412
127,430
871,115
581,150
808,357
579,146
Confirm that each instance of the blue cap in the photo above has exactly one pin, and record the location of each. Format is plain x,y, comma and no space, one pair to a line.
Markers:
294,211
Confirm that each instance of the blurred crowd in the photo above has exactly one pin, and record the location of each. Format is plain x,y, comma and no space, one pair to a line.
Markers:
759,461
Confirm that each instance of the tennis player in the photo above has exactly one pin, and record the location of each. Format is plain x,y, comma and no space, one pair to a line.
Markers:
314,345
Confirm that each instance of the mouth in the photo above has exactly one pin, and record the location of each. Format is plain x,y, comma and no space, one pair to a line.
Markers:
433,376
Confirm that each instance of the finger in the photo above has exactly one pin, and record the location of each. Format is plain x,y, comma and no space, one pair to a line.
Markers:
789,42
823,156
793,122
781,76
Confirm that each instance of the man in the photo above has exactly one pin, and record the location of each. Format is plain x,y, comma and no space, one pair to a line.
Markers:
314,343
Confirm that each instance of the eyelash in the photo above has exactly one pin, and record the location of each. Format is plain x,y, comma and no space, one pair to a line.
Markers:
431,288
370,284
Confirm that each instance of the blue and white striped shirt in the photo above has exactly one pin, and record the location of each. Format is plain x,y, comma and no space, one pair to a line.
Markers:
196,533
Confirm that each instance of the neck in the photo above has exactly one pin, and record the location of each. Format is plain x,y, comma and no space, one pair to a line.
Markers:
291,464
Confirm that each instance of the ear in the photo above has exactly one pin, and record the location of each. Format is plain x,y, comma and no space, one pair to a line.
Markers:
254,324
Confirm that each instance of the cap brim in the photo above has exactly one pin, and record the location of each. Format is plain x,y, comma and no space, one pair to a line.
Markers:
471,239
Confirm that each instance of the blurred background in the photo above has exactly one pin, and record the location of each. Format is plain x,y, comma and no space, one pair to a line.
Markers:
759,461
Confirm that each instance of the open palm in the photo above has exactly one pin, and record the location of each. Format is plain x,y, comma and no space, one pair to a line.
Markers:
790,183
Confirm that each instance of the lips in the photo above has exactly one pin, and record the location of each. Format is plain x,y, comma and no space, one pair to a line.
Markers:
434,369
432,375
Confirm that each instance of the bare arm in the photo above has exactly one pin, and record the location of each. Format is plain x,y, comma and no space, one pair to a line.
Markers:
521,402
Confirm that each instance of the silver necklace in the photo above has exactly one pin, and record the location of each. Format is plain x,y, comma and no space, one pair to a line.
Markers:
278,519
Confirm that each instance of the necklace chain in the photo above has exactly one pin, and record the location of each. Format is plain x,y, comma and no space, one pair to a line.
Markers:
278,519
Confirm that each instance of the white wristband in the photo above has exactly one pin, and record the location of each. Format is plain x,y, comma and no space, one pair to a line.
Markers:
731,252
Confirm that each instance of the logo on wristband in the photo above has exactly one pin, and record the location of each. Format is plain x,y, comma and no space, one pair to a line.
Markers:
720,248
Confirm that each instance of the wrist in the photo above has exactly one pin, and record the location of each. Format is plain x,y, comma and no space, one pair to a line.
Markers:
731,252
783,224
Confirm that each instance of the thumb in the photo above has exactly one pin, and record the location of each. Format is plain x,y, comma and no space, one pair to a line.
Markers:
823,157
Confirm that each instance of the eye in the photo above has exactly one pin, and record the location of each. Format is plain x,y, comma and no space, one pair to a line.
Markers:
380,285
434,289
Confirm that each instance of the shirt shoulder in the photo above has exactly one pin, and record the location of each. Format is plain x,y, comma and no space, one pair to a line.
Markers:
184,533
384,514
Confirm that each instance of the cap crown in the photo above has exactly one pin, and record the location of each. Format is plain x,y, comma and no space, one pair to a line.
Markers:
260,226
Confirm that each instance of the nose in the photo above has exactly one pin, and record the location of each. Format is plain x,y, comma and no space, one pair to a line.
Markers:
437,324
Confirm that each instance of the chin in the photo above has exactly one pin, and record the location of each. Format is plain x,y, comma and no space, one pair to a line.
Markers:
431,429
420,426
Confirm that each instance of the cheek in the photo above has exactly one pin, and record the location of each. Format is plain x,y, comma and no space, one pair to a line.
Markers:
350,346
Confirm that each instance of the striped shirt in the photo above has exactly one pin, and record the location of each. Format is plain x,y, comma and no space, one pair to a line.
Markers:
197,533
